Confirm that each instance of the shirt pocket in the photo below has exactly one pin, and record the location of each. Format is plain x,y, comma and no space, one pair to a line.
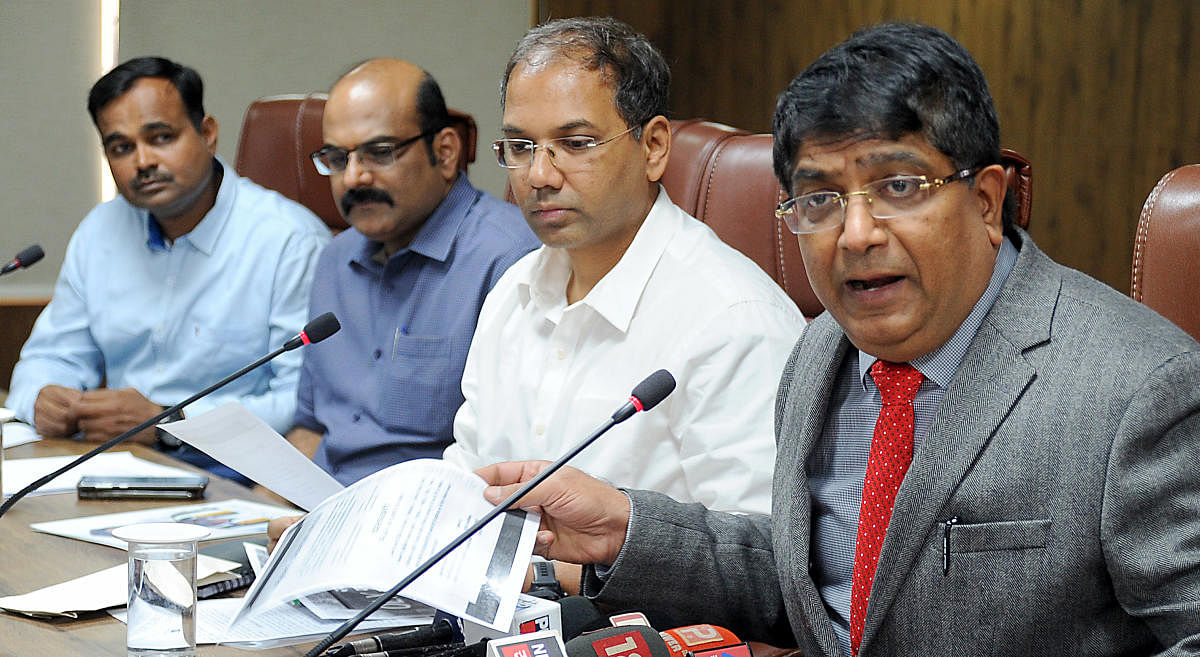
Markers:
227,347
422,387
995,536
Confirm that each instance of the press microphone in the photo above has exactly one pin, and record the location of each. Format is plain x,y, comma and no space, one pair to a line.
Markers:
621,641
579,615
314,331
646,395
26,257
698,638
437,633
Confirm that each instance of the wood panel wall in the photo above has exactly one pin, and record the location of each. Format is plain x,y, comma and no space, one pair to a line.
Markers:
1103,96
16,321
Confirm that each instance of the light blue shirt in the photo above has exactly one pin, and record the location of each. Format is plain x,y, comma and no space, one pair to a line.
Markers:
838,463
130,310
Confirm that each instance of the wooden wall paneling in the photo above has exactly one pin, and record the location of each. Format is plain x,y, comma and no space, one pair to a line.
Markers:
1103,96
18,318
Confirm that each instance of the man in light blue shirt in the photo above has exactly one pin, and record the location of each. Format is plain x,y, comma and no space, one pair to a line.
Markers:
191,273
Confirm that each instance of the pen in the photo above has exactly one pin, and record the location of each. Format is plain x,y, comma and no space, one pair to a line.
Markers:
946,546
204,514
250,521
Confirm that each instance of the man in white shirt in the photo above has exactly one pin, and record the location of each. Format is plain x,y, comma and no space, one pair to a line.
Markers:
626,283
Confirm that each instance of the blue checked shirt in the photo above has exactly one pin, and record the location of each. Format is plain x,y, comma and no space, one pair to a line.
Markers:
838,464
385,388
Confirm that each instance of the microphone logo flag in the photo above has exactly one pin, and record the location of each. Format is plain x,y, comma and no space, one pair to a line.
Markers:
537,644
626,644
736,650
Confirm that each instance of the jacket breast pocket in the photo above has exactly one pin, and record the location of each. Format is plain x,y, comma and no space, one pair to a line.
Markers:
1003,535
421,389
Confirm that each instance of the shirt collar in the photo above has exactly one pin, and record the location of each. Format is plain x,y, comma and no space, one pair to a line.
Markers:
204,236
436,236
940,364
617,294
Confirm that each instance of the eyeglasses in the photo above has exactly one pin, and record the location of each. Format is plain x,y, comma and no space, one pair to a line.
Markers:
372,156
889,198
565,152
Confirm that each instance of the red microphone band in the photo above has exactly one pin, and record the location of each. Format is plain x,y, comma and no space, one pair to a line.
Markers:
304,338
637,403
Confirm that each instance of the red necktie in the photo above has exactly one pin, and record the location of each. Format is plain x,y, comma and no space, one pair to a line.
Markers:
891,454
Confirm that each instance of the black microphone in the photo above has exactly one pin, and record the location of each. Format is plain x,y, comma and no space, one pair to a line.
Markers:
26,257
579,615
621,641
437,633
646,395
314,331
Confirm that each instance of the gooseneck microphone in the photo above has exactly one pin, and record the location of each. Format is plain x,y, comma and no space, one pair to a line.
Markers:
314,331
646,395
26,257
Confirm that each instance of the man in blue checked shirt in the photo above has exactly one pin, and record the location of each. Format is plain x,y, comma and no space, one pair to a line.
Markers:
407,279
188,275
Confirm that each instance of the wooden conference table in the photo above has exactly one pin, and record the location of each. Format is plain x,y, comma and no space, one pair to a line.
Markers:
31,560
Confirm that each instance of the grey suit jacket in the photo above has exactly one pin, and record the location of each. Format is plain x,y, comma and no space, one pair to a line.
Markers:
1068,448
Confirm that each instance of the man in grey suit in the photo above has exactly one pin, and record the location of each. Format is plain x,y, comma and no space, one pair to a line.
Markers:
984,452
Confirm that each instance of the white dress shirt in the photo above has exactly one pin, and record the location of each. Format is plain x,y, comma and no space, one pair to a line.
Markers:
541,375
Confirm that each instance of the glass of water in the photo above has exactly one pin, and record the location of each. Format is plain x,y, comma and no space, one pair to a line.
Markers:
161,618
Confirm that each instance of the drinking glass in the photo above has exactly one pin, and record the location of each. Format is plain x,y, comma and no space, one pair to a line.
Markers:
161,618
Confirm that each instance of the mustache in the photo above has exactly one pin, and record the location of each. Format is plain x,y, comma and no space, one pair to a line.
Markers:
149,177
358,195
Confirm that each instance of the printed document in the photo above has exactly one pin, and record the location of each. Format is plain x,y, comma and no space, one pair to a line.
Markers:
239,439
377,531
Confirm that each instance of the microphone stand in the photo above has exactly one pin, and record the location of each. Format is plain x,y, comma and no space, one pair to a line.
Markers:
139,428
348,626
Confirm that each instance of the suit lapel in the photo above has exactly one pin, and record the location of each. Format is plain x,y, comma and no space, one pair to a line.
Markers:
807,399
992,377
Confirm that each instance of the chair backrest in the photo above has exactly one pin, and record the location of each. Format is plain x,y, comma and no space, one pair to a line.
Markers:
724,177
1166,267
280,132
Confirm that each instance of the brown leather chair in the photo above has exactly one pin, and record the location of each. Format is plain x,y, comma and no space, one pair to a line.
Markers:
1166,267
280,132
723,176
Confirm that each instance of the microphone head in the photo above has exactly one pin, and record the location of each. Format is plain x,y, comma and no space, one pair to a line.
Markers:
624,641
654,388
30,255
694,638
322,327
579,615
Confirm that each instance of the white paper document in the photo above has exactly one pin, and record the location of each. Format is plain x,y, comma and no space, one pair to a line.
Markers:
239,439
213,616
377,531
18,433
99,590
19,473
224,519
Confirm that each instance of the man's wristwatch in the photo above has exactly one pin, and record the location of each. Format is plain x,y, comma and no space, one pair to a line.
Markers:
545,583
166,440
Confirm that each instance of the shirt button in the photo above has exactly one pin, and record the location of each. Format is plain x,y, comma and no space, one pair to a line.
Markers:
377,354
356,417
540,429
562,353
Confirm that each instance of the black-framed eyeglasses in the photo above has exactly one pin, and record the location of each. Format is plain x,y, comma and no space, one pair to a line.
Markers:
372,155
565,152
889,198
